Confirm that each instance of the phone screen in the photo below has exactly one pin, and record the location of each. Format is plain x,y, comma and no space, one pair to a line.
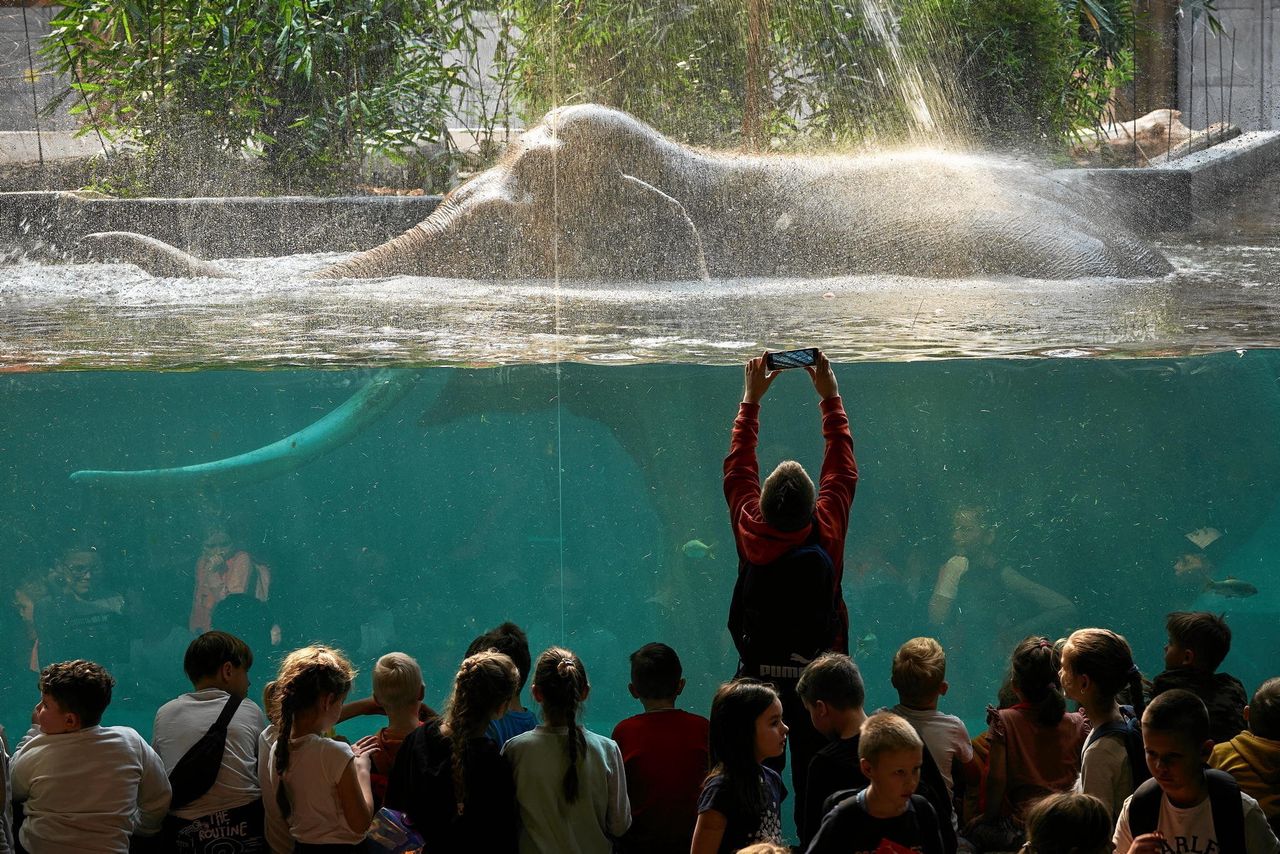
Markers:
801,358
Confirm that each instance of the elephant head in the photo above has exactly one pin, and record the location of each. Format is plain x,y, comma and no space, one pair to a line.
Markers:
564,203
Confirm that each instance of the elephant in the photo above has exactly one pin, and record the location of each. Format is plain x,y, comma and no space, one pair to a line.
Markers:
592,193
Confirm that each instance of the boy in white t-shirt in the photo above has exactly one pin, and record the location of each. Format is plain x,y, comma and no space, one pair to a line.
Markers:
920,677
218,665
1175,729
84,787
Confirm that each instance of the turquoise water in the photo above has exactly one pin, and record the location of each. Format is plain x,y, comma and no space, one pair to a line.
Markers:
560,497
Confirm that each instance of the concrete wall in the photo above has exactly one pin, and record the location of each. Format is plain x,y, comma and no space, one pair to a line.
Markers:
1209,90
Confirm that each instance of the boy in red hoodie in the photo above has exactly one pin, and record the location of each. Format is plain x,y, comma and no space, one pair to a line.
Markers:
787,607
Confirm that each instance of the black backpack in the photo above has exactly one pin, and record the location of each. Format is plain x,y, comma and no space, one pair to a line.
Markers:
1224,801
1128,731
197,770
784,614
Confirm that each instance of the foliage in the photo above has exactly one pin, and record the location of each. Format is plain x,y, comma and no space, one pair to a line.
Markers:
314,86
1030,72
678,65
1010,72
311,84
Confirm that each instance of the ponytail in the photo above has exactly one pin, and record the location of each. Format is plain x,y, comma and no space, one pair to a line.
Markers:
282,755
484,684
1035,673
307,675
561,678
1106,658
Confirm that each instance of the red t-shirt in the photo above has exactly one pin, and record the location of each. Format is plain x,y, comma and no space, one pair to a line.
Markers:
665,755
384,759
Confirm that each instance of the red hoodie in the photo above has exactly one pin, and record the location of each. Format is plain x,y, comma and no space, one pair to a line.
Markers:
759,542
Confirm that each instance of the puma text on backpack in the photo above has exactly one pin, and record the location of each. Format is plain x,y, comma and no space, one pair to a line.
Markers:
784,614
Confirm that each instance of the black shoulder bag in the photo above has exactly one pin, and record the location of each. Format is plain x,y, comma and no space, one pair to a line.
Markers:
196,771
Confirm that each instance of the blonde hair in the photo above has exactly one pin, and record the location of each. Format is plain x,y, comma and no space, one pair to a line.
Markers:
271,701
484,684
764,848
885,732
307,675
397,681
919,668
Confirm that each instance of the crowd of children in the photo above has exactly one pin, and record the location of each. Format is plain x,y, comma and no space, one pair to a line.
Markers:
1133,770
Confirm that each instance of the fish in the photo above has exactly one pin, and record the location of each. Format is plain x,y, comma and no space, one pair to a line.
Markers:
1204,537
697,549
1232,588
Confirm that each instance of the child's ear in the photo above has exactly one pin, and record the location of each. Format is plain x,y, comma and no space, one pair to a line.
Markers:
586,692
631,688
226,671
1206,749
680,688
1188,658
865,766
942,689
422,693
1246,714
71,721
536,692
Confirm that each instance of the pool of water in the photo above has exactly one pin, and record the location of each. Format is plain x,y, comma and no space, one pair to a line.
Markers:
1225,294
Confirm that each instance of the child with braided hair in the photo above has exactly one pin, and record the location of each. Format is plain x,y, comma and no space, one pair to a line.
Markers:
449,777
308,773
1097,665
570,782
1035,747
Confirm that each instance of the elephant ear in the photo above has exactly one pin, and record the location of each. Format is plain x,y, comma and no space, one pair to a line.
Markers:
656,238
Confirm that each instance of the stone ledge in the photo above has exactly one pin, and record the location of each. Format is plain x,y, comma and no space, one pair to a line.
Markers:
54,222
1173,196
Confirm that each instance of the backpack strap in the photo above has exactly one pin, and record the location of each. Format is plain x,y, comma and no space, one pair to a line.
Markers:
1228,810
1113,728
1224,801
225,716
1144,809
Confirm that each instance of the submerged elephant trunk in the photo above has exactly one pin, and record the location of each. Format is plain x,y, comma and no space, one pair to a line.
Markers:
337,428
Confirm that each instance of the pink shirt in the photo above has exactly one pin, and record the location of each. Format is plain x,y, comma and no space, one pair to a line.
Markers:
1039,759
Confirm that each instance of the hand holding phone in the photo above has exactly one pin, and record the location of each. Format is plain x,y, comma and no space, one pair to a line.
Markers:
783,359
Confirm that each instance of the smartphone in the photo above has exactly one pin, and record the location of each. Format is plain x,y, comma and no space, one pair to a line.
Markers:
802,358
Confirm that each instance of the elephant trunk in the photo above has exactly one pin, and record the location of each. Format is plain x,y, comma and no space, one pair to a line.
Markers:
417,252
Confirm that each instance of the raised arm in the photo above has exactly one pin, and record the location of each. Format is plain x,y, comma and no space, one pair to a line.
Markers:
741,470
839,476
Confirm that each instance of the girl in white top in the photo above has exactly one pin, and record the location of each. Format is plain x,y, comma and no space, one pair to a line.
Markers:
1097,664
570,783
322,789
